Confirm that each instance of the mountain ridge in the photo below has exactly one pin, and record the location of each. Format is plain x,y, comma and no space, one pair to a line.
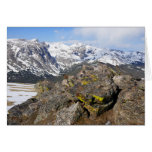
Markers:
50,58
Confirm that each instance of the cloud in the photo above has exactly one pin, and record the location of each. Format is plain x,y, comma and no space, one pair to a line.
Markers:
62,37
56,31
124,37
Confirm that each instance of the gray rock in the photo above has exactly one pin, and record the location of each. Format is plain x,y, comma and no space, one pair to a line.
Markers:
130,107
68,116
24,113
123,81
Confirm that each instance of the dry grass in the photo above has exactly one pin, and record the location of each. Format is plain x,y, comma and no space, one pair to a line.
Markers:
32,90
10,103
10,85
22,83
22,87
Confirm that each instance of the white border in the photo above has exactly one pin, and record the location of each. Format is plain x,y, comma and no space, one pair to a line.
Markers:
74,13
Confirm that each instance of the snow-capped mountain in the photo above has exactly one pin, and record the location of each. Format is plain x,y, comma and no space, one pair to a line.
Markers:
33,55
50,58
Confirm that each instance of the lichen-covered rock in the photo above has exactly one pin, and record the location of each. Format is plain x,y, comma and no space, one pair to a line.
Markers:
93,86
97,94
69,115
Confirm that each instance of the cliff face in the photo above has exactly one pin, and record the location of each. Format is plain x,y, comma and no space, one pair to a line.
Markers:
96,95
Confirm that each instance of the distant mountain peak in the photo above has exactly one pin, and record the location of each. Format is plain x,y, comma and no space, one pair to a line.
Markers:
42,58
35,40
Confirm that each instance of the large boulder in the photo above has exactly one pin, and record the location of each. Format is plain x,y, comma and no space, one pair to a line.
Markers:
47,112
130,107
94,88
24,113
123,81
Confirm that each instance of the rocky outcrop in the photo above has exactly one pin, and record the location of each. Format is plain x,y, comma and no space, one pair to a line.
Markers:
24,113
130,106
97,94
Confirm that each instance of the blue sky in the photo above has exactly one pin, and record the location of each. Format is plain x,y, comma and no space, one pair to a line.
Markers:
116,38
